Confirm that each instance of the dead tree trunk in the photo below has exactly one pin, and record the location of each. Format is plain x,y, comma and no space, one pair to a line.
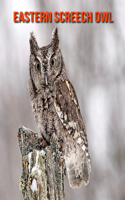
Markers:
43,170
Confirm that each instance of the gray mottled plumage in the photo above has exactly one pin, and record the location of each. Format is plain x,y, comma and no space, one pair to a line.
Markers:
56,108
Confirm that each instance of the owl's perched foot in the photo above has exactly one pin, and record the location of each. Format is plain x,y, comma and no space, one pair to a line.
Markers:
43,142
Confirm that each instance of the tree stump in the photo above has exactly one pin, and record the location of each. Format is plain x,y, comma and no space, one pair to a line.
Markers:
43,169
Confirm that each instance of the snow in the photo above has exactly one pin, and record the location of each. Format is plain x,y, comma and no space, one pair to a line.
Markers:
42,153
29,159
36,167
34,185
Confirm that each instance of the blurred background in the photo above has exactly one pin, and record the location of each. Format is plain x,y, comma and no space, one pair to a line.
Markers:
94,55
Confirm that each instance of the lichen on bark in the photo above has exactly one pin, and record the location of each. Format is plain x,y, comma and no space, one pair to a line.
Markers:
43,169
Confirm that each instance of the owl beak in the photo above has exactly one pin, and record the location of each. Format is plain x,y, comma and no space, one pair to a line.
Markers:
46,81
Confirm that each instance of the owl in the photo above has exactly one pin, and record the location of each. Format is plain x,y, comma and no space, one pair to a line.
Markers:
56,108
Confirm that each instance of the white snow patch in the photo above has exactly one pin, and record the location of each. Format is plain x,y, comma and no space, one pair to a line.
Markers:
34,185
42,153
29,160
36,167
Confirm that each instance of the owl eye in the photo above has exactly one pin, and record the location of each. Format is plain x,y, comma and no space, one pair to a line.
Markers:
52,61
37,66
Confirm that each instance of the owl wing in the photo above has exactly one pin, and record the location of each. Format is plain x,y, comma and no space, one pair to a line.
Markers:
77,157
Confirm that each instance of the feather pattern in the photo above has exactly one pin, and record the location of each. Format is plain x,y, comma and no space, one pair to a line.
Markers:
56,108
76,144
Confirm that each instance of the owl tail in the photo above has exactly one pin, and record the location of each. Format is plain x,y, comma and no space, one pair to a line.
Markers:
78,168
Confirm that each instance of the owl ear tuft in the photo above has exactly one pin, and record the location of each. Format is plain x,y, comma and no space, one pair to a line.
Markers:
55,38
33,44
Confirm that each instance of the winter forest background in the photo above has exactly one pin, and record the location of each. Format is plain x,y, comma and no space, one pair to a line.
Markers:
94,56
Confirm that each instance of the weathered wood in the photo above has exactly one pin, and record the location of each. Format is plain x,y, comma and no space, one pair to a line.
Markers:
43,169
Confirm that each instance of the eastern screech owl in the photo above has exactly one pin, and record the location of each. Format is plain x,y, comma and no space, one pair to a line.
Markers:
56,108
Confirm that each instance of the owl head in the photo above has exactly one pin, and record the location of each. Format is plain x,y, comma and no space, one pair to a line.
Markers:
46,64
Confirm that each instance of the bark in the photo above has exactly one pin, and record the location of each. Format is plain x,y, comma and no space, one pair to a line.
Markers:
43,169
